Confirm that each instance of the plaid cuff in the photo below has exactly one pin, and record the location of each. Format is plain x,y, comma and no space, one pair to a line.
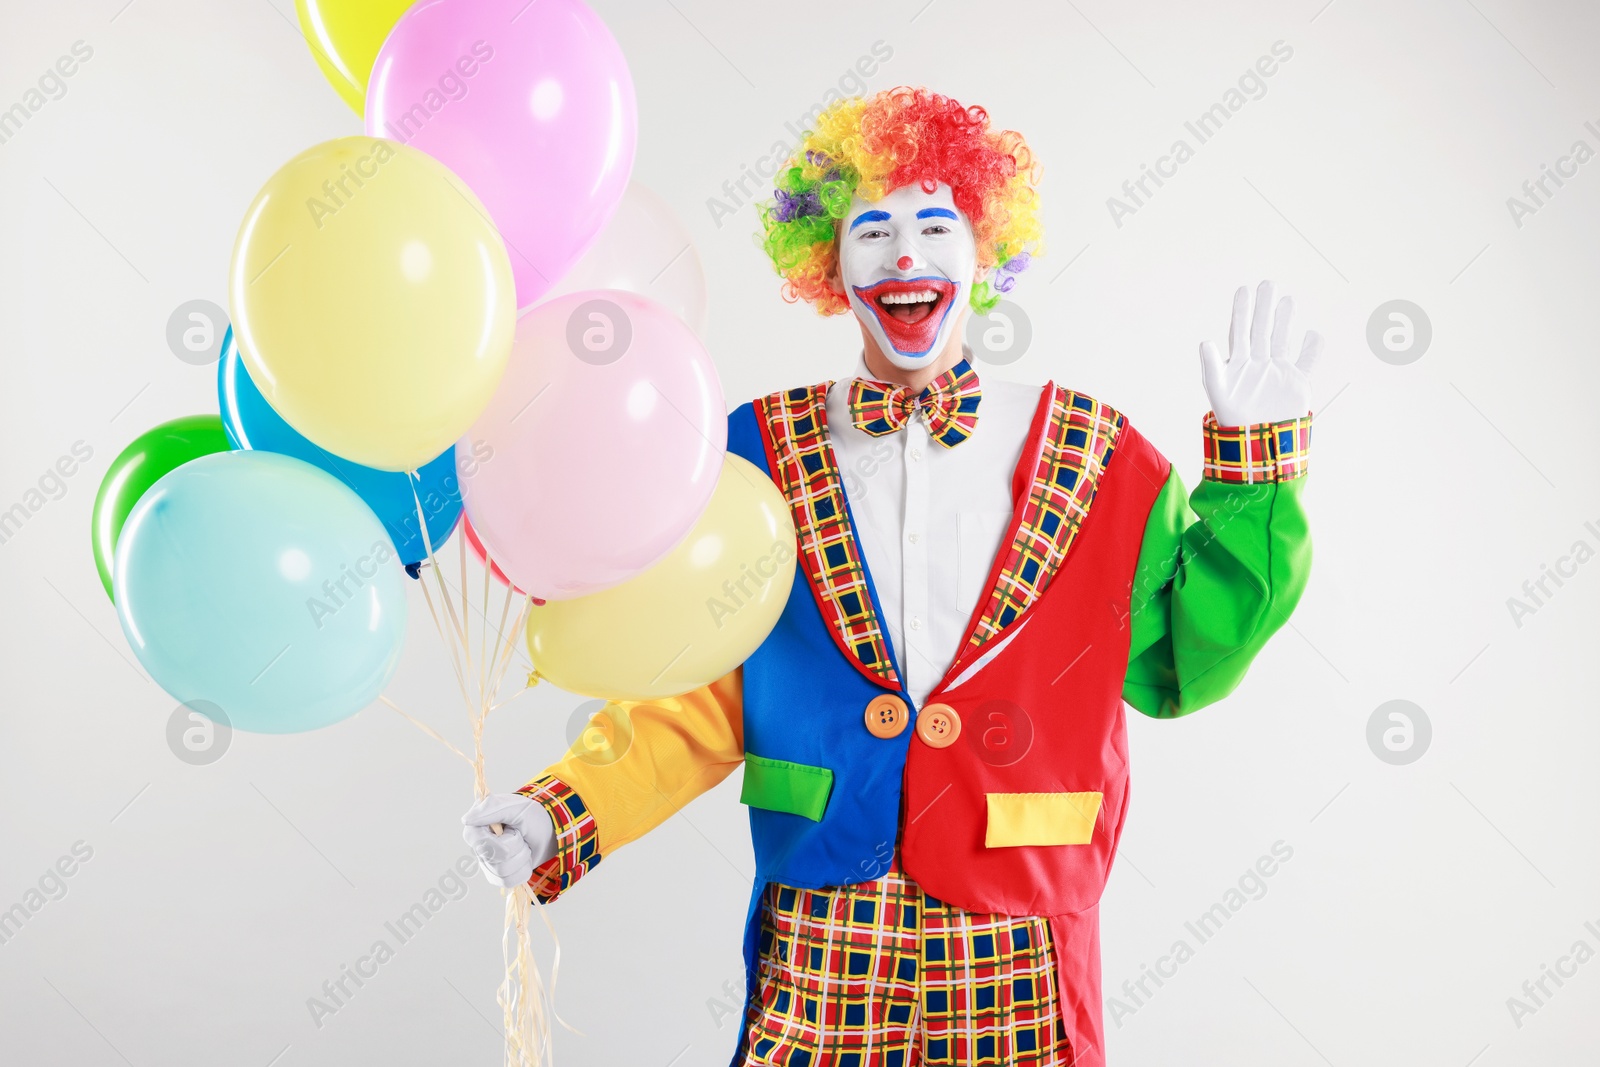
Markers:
577,838
1263,452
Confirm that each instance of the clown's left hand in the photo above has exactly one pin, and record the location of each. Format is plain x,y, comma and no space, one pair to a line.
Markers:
1258,382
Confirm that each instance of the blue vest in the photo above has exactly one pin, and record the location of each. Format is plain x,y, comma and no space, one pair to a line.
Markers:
800,667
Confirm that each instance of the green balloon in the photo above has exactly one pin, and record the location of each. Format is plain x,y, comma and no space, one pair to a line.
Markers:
152,454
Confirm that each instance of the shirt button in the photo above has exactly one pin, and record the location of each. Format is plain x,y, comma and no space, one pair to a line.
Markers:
916,622
886,716
939,725
913,538
916,453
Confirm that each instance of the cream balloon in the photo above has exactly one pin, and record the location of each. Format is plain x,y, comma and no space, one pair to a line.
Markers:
692,617
644,249
372,301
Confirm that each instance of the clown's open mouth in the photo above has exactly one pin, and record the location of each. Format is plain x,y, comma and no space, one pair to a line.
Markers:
910,310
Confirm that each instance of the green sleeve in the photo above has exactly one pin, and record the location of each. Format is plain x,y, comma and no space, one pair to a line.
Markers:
1217,575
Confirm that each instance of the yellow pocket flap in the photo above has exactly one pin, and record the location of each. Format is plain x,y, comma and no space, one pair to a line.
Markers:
1041,818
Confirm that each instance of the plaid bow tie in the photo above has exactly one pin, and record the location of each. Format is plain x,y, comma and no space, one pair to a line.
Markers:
949,403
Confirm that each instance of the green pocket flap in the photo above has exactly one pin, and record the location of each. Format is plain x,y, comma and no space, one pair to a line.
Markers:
777,785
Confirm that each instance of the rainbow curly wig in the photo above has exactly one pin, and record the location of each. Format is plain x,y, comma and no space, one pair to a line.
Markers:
875,145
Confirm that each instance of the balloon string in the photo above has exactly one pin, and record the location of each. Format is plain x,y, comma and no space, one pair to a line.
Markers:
425,728
505,609
466,610
456,656
504,656
455,662
523,995
499,661
456,621
485,670
555,967
500,656
427,541
460,650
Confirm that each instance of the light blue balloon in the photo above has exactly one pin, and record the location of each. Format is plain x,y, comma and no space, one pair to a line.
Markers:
262,585
253,423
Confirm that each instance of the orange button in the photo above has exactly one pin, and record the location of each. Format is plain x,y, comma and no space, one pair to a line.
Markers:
939,725
887,716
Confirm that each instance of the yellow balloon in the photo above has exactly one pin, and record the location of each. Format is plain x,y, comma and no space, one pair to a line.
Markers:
372,301
344,36
688,620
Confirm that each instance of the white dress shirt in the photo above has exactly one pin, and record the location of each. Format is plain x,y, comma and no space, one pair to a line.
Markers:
929,519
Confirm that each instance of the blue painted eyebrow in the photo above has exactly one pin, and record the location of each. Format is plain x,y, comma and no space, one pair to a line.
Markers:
869,216
937,213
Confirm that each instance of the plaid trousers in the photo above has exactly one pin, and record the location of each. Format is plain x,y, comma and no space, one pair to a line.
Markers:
882,975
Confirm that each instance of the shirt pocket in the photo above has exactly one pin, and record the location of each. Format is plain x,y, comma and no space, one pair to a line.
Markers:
978,536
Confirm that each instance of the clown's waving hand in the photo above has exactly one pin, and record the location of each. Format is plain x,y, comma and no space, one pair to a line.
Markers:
1258,383
932,739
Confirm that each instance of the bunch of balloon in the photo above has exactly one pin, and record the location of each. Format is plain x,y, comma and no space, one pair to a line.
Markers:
588,439
254,584
378,391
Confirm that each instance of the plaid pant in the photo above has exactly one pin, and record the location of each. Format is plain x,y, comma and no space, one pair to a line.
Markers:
882,975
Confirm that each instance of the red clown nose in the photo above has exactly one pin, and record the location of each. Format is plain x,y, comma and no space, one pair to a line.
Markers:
904,263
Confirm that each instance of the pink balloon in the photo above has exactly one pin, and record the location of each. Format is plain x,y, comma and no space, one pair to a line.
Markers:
530,103
601,447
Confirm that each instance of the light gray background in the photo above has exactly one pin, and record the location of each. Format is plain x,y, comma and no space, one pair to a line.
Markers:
1377,166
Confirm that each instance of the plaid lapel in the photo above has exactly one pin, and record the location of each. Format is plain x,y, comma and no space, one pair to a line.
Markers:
1079,437
794,424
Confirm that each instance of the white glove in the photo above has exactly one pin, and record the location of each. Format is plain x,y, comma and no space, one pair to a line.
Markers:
1258,383
527,837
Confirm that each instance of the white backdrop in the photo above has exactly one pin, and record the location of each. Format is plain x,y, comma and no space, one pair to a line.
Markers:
1374,165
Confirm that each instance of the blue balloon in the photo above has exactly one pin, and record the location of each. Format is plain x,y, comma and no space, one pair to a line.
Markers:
252,423
259,585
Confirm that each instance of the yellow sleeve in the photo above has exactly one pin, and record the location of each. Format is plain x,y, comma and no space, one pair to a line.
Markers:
651,758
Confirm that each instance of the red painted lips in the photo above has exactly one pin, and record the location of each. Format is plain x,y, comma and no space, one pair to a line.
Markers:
910,325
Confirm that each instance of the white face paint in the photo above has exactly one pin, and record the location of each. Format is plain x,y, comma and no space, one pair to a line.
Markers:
907,264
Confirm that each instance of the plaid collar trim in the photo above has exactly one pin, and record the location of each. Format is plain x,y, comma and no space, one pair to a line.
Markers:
794,424
949,403
1080,437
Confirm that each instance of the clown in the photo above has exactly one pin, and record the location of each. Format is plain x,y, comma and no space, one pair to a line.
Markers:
932,738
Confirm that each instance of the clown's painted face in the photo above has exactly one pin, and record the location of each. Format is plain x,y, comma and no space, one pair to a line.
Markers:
906,263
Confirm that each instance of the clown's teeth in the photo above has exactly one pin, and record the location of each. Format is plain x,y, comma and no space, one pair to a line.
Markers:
925,296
